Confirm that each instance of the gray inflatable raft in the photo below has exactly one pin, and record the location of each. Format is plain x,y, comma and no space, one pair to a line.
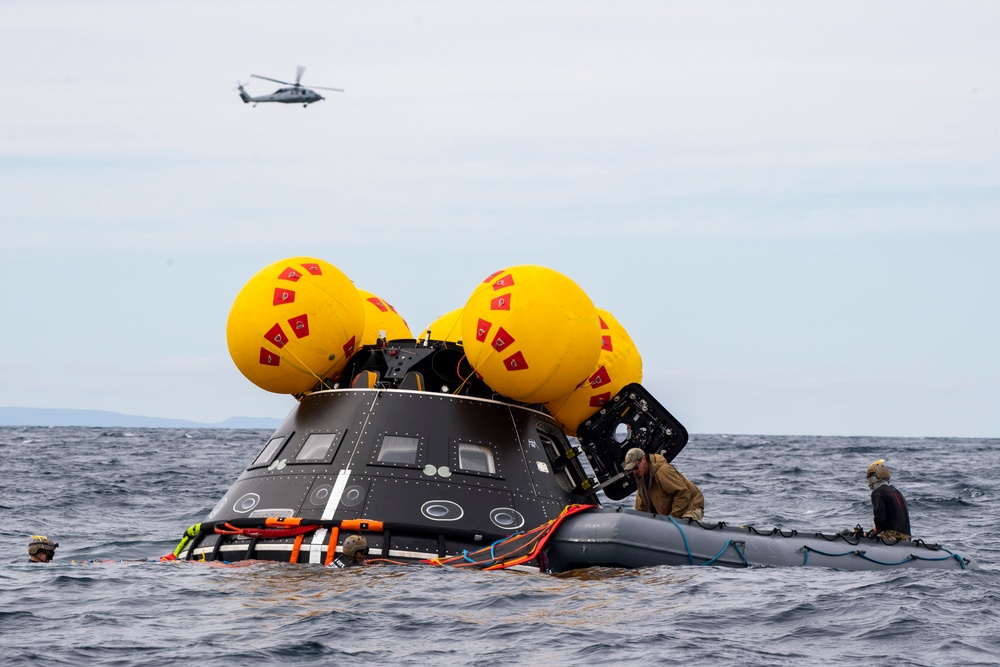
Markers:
627,538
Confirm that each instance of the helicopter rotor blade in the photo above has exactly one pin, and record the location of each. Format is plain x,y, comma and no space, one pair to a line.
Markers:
267,78
339,90
298,73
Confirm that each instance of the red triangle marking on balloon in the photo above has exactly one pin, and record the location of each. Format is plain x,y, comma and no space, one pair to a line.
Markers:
313,269
276,336
493,275
600,377
506,281
606,344
502,302
283,296
482,329
600,400
377,302
290,274
300,325
349,347
603,324
502,339
269,358
515,362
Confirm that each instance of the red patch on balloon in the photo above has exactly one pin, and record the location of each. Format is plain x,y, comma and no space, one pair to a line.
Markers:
515,362
600,400
300,325
502,339
290,274
606,344
313,269
349,347
283,296
276,336
268,358
599,378
502,302
506,281
482,329
603,325
493,275
377,302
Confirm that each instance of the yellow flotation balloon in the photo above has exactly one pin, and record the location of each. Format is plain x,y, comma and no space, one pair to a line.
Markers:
381,316
294,323
448,327
619,364
531,333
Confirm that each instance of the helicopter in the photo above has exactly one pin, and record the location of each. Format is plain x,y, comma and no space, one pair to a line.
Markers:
297,94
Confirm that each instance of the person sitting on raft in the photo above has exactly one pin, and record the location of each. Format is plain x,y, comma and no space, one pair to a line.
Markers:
892,520
661,488
41,549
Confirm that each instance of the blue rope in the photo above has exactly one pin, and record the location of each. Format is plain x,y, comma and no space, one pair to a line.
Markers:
686,546
861,554
714,558
736,547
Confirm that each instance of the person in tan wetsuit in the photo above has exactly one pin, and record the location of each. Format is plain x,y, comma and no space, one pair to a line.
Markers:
661,489
41,549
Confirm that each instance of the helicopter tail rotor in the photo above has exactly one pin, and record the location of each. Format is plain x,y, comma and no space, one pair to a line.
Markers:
243,93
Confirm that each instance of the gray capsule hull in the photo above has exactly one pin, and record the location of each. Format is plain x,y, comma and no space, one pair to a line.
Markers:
427,474
628,538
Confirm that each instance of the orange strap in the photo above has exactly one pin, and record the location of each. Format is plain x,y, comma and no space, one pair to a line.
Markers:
294,558
361,524
273,521
331,547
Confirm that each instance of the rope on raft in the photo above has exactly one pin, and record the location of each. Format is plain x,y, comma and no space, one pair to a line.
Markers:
861,554
512,550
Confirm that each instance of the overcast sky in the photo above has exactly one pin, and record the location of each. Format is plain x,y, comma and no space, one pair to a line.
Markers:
793,208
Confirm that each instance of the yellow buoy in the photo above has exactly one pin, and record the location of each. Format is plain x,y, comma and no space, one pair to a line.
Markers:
619,364
381,316
294,323
448,327
531,333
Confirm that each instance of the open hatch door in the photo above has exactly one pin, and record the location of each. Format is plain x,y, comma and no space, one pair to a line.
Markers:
633,418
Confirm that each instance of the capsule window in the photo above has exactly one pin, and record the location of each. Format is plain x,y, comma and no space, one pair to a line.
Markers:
399,449
476,458
270,450
318,447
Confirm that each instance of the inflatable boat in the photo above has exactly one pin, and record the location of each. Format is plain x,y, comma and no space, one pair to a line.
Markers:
627,538
454,447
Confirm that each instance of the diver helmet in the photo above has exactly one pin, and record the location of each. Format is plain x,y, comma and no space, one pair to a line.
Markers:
354,544
40,543
878,471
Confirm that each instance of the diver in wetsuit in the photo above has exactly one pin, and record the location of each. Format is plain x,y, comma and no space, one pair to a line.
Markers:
41,549
892,520
355,552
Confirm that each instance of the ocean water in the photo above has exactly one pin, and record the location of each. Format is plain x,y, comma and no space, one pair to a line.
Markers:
129,494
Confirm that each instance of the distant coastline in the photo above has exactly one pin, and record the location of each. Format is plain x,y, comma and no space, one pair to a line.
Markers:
14,416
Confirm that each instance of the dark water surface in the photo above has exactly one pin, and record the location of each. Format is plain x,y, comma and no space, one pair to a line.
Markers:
130,493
